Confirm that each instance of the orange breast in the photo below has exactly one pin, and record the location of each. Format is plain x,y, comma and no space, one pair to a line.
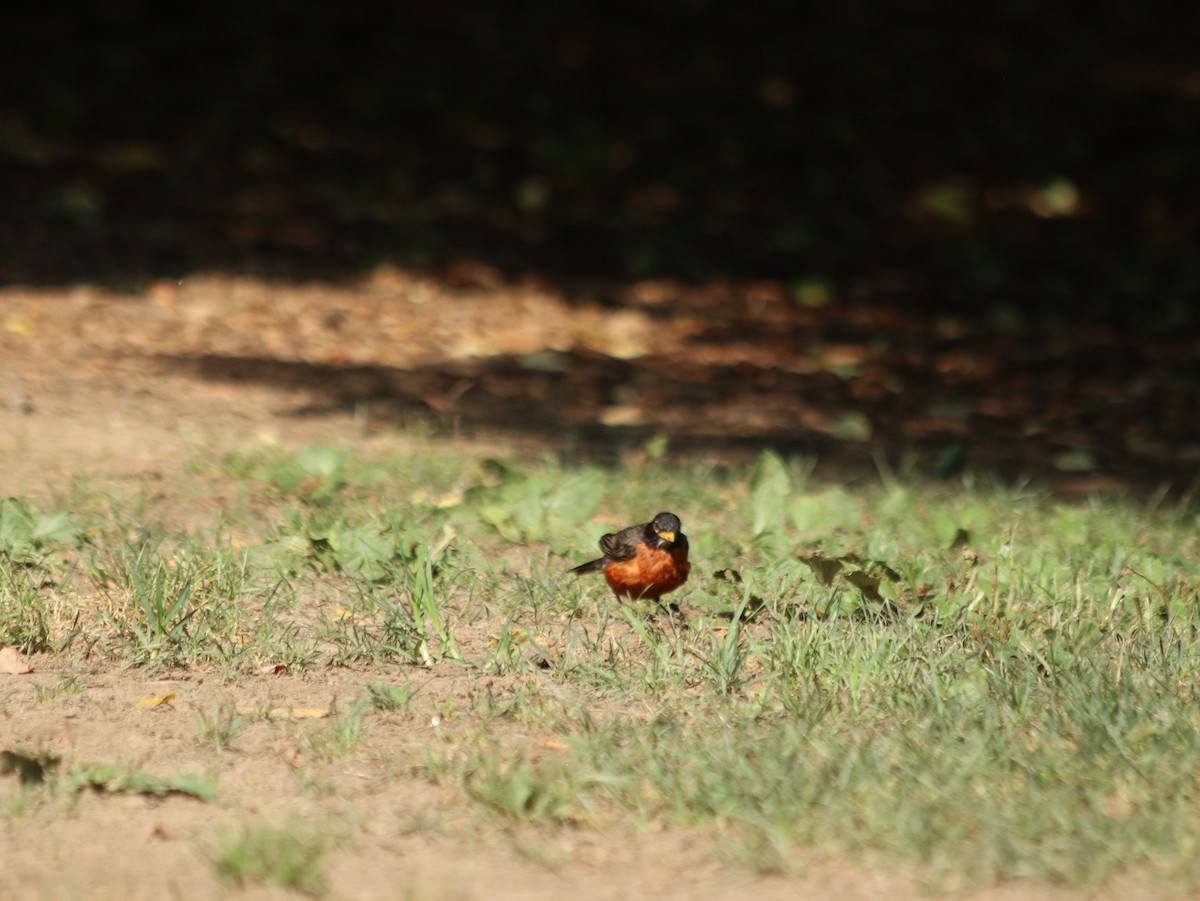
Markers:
648,574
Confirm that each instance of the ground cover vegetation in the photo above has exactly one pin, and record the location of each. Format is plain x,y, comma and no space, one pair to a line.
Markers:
973,678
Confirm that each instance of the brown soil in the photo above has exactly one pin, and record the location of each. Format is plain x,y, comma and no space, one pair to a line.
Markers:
126,389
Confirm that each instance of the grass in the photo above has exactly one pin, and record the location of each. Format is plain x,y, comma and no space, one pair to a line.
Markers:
23,608
384,696
68,686
290,856
340,740
220,725
126,778
976,678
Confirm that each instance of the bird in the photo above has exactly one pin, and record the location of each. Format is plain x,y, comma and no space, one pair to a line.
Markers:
644,561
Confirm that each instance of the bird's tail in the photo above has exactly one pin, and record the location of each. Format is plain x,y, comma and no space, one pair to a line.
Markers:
592,566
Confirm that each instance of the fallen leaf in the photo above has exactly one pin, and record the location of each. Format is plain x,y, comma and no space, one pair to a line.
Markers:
824,568
622,415
17,324
272,669
13,662
865,582
155,701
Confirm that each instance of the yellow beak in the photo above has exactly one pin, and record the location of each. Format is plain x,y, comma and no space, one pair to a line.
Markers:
669,536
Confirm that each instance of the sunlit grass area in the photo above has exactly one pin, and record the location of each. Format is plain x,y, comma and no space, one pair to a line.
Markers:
973,677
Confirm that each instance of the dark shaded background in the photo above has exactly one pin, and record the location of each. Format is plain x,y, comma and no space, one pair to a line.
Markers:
883,144
1029,168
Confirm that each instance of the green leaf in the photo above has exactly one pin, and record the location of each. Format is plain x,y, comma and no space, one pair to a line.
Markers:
498,517
822,514
24,528
363,551
529,508
808,514
324,462
16,527
54,528
770,485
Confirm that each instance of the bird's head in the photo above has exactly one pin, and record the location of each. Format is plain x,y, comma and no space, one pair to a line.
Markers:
665,527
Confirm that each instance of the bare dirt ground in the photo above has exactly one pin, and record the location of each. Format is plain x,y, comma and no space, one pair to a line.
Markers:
124,390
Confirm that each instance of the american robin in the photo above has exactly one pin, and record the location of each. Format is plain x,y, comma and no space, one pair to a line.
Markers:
643,561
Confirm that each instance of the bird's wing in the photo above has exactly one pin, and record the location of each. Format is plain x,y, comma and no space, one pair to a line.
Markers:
622,545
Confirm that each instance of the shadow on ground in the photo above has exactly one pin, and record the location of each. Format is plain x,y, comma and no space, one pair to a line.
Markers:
982,221
1020,411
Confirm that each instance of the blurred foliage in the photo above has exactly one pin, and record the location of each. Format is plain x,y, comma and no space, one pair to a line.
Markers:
1009,155
26,531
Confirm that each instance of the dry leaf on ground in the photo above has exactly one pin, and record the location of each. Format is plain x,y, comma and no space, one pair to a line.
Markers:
155,701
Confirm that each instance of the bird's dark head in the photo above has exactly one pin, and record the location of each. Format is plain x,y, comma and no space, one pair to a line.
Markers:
666,529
